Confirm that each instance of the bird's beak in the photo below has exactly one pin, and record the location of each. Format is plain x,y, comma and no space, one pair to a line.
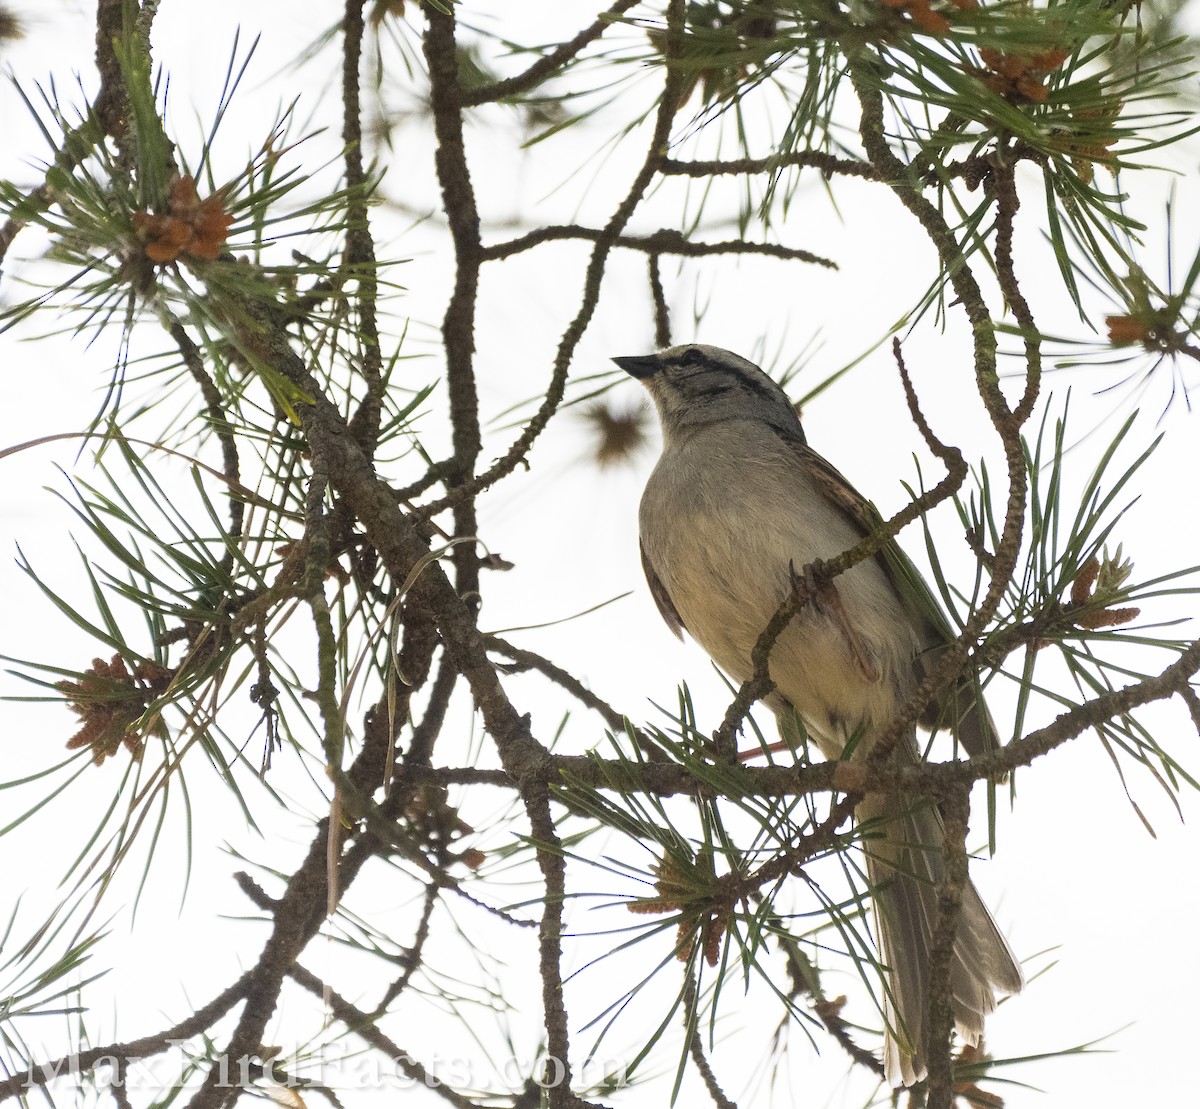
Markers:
640,366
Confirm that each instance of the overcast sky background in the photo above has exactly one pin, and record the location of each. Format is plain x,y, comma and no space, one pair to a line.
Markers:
1081,889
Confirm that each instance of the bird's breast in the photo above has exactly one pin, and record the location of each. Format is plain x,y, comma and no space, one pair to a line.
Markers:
727,531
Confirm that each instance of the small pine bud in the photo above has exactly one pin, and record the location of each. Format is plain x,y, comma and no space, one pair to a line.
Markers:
1125,329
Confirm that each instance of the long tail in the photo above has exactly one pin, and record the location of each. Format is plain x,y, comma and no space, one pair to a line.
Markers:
904,865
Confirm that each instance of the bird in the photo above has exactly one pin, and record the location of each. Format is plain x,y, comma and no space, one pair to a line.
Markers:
736,507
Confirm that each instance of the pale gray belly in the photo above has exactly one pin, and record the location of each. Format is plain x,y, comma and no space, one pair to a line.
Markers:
727,577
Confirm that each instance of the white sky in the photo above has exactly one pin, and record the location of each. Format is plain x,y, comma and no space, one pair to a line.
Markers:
1077,884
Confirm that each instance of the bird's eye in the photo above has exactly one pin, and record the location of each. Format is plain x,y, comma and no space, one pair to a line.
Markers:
691,358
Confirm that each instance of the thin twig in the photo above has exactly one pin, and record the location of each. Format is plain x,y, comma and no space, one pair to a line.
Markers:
230,463
458,324
662,312
425,734
412,957
548,65
438,471
822,840
512,458
1002,184
806,980
360,245
532,661
759,684
951,457
363,1025
696,1047
899,178
665,241
921,779
828,1015
552,863
40,1074
826,163
939,1013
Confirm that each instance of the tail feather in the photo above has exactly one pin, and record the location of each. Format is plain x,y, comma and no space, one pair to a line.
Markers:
905,863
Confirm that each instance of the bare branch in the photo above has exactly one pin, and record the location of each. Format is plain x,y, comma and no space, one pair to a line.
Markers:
219,421
363,1025
696,1048
547,66
360,245
826,163
665,241
662,313
939,1013
512,458
458,325
20,1084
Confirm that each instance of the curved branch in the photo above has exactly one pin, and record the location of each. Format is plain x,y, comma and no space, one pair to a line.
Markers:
759,684
696,1048
899,178
360,246
929,779
20,1084
939,1009
547,66
530,660
363,1025
662,311
458,324
224,431
1003,185
668,106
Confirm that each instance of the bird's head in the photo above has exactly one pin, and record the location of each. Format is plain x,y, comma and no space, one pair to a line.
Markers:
693,385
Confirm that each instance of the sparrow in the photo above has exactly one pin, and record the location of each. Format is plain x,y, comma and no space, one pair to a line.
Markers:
736,506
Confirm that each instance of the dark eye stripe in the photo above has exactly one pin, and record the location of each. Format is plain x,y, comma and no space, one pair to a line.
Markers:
710,378
762,388
716,389
752,383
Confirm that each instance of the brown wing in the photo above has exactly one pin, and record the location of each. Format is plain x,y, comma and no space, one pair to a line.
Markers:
903,575
839,491
661,597
964,709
